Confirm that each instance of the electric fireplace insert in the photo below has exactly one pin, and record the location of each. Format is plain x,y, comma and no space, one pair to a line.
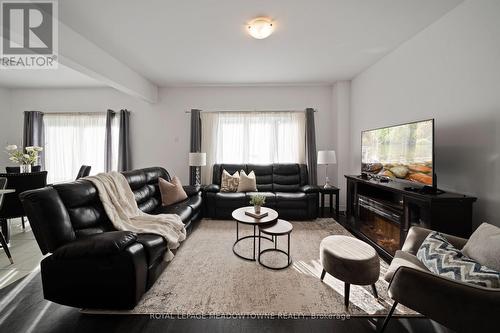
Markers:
380,221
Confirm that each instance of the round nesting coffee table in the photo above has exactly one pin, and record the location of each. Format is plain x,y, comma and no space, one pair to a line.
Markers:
240,217
280,228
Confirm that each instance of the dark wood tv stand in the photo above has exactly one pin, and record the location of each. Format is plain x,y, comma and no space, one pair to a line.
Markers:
381,213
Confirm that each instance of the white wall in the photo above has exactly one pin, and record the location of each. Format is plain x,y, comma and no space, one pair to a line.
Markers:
160,132
9,131
450,72
341,109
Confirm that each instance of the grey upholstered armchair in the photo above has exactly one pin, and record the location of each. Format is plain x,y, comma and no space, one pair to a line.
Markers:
463,307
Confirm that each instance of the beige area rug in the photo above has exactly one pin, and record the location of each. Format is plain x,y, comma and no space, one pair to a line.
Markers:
206,278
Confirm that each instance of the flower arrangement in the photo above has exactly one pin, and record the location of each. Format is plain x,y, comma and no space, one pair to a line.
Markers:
20,157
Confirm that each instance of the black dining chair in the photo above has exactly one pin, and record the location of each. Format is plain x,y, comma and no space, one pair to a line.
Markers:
12,207
3,242
34,168
83,172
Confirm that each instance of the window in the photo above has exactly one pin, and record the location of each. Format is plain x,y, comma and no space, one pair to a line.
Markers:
253,137
73,140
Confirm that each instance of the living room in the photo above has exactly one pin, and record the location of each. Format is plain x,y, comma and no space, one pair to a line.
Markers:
287,90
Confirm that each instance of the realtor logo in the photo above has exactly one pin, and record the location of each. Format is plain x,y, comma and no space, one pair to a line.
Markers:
29,35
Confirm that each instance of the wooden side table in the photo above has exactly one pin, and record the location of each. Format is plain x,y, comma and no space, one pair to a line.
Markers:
331,191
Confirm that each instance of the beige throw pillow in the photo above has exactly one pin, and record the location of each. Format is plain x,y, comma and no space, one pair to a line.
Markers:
171,192
229,183
484,246
248,183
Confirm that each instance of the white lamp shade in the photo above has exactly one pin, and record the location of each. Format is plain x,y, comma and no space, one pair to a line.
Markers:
197,159
327,157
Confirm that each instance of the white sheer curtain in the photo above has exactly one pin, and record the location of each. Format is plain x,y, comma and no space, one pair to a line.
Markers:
72,141
252,137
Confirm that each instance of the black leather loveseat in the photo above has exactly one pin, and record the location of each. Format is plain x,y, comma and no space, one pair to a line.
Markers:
285,187
91,264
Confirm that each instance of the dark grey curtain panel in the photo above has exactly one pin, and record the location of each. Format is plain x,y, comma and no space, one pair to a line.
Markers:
124,157
33,133
108,148
311,153
195,141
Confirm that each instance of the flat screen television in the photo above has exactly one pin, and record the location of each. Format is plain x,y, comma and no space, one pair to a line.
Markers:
403,152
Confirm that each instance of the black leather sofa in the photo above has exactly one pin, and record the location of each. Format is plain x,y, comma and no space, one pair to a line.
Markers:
285,187
91,264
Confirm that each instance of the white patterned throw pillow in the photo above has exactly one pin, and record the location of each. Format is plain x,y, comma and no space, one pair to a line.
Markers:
442,258
229,183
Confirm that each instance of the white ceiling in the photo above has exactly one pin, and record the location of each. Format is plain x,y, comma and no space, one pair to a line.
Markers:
204,42
174,42
62,77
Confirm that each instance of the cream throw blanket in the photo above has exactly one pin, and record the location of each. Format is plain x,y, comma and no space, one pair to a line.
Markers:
120,206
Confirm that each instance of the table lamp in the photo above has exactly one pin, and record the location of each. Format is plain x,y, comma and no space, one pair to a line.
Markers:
326,157
197,160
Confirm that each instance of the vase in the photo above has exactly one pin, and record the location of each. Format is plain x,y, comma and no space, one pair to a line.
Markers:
25,168
256,208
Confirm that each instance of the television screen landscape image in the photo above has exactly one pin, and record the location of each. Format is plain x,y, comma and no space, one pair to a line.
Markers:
400,152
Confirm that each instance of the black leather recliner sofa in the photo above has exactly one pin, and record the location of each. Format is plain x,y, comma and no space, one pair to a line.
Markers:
285,187
92,265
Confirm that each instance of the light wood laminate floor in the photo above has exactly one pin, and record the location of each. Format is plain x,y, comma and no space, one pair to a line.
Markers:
24,251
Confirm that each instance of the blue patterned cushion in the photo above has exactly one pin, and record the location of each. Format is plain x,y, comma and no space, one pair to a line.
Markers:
442,258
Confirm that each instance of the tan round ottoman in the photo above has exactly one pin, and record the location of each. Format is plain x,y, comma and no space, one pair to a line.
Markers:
350,260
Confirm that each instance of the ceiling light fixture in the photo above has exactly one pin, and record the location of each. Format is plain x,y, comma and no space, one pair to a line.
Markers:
260,27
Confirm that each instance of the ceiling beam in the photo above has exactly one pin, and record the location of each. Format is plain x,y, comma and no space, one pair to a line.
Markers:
82,55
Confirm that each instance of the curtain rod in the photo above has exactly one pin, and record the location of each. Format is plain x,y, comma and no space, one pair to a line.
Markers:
222,111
